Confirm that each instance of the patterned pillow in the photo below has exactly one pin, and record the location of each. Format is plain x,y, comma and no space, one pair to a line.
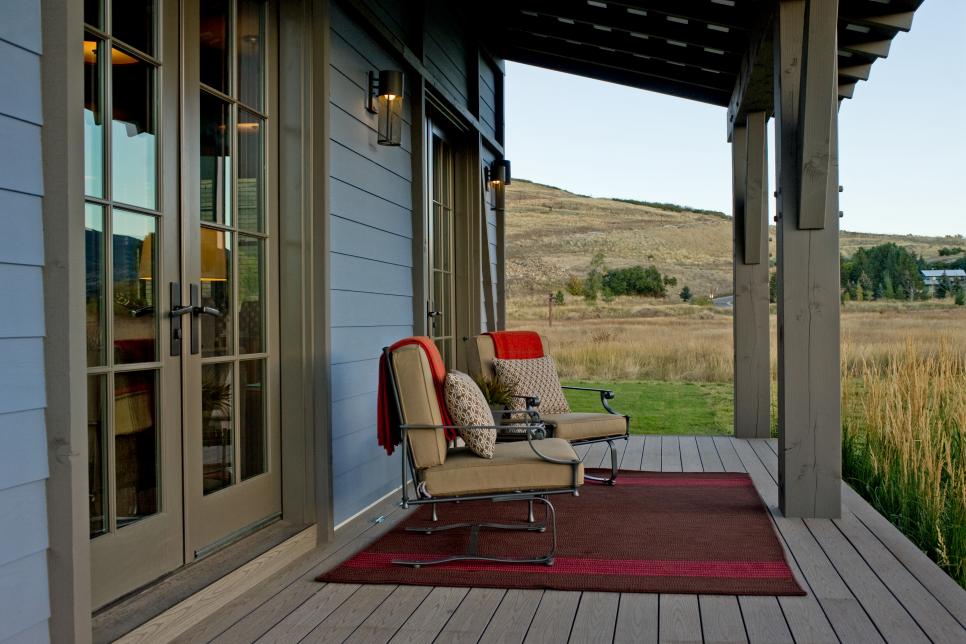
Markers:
533,377
467,406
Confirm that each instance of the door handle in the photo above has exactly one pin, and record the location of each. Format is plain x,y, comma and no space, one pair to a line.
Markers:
207,310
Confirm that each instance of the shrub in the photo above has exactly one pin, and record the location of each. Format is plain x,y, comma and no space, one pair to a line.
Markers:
686,294
635,280
575,286
960,297
947,251
558,297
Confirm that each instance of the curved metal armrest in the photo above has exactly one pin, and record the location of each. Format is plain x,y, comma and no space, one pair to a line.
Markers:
532,435
605,395
408,427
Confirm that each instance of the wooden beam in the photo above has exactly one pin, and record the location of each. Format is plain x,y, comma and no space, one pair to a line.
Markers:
817,98
753,88
752,375
756,193
859,72
809,405
877,48
846,90
898,21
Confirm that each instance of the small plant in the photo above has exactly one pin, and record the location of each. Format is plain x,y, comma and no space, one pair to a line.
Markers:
495,392
960,297
558,298
686,295
575,286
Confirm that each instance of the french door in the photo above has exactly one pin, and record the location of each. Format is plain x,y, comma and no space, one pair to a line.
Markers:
441,238
180,219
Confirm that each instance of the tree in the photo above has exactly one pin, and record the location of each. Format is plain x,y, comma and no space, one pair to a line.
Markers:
558,298
686,294
595,279
960,296
942,288
884,271
773,287
635,280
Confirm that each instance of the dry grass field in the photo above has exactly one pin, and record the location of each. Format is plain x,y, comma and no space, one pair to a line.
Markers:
552,233
693,343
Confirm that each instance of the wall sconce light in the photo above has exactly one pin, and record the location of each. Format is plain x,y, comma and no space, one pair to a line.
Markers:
385,99
498,173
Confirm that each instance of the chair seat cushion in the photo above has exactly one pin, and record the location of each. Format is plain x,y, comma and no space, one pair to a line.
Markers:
583,426
514,467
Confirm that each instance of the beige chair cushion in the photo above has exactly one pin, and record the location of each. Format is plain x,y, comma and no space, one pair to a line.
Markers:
514,467
467,406
420,405
580,426
533,377
480,353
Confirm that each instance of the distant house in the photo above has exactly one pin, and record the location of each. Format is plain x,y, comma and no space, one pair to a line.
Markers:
934,277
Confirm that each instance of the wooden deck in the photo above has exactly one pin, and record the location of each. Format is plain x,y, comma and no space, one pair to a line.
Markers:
865,583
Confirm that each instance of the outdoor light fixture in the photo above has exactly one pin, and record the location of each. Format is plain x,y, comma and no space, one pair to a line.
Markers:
385,99
498,172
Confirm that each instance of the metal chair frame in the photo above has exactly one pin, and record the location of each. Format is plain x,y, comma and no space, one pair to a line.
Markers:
536,431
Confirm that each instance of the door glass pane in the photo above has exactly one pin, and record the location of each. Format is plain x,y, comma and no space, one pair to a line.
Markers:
93,13
251,284
93,117
251,52
94,270
214,41
134,272
97,455
251,412
251,167
216,336
215,188
132,21
133,131
216,425
136,445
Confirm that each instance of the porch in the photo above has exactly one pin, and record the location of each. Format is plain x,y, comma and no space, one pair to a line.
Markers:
865,581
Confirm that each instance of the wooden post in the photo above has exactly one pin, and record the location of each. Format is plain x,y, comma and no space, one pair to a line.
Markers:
752,378
809,405
550,310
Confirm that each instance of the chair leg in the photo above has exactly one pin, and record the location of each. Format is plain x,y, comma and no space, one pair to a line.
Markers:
435,515
530,518
613,467
472,552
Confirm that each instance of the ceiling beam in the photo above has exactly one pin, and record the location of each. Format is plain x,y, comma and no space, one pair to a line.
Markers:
651,25
620,75
859,72
846,90
878,48
722,15
622,41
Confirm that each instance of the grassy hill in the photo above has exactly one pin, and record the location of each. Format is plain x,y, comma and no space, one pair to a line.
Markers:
552,233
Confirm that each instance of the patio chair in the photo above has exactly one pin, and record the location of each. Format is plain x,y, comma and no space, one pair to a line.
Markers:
531,470
578,428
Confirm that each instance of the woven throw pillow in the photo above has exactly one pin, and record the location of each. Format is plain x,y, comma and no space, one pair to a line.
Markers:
467,406
533,377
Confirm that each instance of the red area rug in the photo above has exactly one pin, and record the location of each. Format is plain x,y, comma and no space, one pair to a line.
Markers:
654,532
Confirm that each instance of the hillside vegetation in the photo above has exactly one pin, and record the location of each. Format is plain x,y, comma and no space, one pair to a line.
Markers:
552,234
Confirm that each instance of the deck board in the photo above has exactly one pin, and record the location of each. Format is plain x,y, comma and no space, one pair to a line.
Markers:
865,582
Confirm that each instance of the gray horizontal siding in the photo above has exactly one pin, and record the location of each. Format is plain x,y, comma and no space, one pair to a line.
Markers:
370,264
488,97
24,601
444,49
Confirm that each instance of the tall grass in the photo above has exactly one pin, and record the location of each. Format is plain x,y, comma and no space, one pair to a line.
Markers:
904,446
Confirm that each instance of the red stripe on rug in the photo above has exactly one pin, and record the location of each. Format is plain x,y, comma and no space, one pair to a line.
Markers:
615,567
676,482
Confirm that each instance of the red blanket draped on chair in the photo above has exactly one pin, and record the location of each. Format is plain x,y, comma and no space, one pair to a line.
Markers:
387,425
517,345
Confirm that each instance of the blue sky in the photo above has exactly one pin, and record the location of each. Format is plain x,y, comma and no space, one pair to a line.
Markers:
902,138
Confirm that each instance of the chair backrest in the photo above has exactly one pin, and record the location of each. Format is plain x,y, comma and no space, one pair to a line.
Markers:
480,353
419,405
